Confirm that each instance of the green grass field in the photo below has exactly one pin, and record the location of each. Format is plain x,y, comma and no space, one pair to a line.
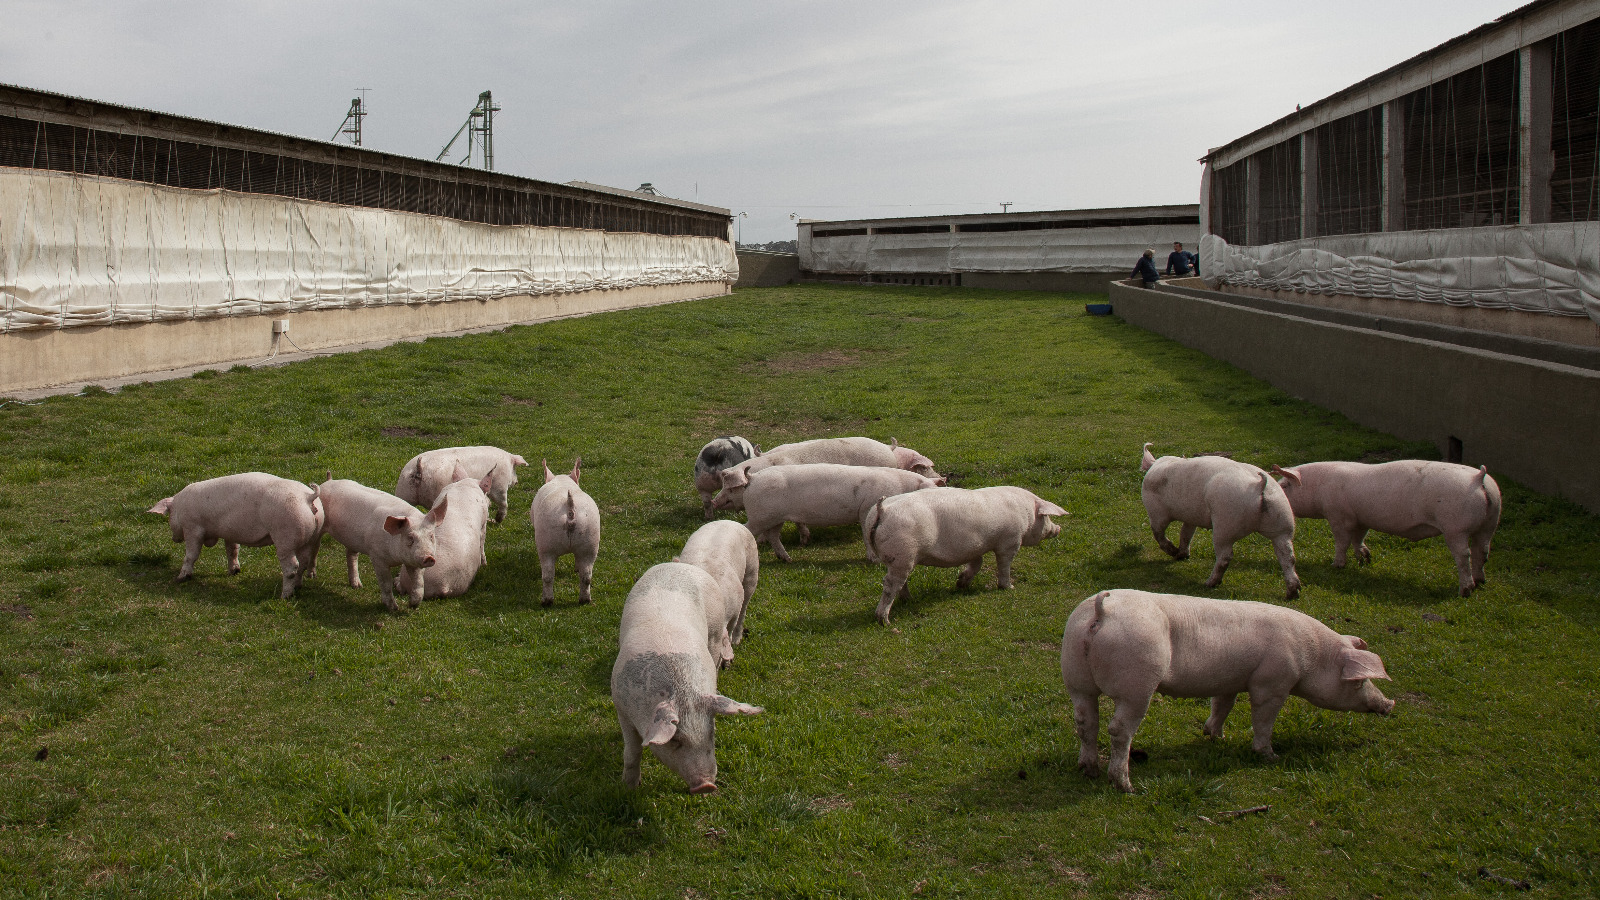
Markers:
209,739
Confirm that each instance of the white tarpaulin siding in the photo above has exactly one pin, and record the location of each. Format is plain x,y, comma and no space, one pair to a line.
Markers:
80,250
1102,249
1535,268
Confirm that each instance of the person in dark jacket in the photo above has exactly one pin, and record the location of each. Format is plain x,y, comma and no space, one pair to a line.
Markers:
1146,268
1179,262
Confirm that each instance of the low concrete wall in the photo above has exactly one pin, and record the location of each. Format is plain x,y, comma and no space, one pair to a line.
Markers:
1073,282
33,359
1537,422
763,268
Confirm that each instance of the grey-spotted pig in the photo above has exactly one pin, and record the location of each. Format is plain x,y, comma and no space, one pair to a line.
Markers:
717,455
664,682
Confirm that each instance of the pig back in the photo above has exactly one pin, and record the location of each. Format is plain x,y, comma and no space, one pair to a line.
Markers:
249,508
845,451
355,513
666,612
1411,498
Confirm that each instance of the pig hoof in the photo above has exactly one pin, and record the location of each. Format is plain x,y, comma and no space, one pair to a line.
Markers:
1123,784
413,603
1213,582
1181,555
1089,770
1293,593
547,601
233,570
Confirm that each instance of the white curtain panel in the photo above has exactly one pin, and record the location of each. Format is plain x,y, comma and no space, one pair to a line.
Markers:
79,250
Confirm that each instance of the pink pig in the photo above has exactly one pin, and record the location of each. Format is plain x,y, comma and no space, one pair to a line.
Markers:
1132,645
251,509
1411,498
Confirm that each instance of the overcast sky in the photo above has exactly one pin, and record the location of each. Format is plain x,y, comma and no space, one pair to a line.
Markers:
823,109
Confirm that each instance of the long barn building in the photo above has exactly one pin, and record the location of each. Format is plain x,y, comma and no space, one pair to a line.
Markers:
133,241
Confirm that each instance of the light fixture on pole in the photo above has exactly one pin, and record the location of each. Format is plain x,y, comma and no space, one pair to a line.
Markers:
1005,206
740,217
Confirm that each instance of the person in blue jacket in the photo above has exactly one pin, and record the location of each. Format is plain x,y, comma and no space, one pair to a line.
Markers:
1146,268
1179,261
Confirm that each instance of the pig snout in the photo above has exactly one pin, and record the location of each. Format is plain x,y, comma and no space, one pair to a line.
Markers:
427,562
704,787
722,500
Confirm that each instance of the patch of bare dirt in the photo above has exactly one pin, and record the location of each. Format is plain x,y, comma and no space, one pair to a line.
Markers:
20,610
825,805
519,401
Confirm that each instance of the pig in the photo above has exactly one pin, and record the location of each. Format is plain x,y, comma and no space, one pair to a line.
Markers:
726,451
460,539
949,527
390,531
251,509
1130,645
728,553
565,520
1232,499
815,495
427,474
664,682
1412,498
846,451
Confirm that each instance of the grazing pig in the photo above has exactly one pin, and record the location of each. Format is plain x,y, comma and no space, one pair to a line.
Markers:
460,539
848,451
252,509
815,495
429,473
728,553
1131,645
1232,499
1412,498
565,520
664,683
387,529
715,456
954,527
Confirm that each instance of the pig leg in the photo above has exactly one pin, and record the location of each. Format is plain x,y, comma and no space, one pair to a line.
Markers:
1086,716
547,574
352,559
1124,722
1002,563
1462,551
585,564
414,596
233,556
1264,707
1159,522
1283,546
1480,556
1360,543
385,583
1185,535
1220,707
632,752
751,574
705,510
805,534
774,537
1224,557
307,556
894,585
970,572
290,566
191,552
499,498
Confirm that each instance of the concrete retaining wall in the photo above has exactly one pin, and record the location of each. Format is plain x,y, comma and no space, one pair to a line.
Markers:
763,268
33,359
1534,421
1074,282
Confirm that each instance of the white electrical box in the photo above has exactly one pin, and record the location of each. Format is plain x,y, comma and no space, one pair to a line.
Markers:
280,326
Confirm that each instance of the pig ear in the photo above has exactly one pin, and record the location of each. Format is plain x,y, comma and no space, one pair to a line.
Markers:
162,506
487,482
738,476
1286,474
549,476
518,460
459,474
1359,665
1046,508
757,448
663,726
727,706
1355,642
1148,459
576,466
437,514
396,524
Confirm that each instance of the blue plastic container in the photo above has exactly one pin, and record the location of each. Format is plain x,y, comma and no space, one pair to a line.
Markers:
1097,309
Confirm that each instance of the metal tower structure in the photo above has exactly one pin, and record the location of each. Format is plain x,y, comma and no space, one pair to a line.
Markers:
479,128
352,119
